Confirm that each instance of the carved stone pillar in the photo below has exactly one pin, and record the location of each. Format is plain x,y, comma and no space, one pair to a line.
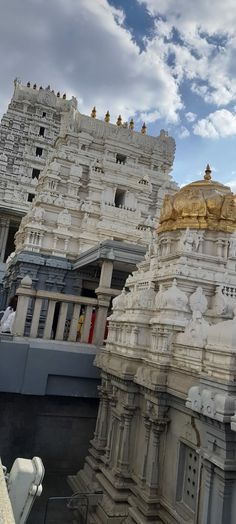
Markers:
226,248
123,462
111,423
222,504
168,246
100,435
219,247
152,471
208,475
154,333
134,336
109,439
143,466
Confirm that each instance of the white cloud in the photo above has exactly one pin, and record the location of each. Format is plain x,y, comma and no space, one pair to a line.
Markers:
184,132
98,60
232,184
191,117
83,48
150,117
220,124
206,47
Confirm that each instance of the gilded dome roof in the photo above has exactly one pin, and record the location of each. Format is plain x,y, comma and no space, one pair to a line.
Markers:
204,204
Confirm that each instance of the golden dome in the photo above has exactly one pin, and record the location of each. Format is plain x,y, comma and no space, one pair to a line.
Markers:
204,204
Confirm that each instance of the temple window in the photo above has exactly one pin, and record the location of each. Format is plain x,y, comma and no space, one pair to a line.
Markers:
41,131
39,151
119,198
187,483
35,173
120,159
44,114
30,197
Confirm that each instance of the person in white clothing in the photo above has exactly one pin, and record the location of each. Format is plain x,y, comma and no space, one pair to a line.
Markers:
6,323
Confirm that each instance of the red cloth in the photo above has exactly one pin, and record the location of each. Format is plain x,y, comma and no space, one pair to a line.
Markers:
92,325
106,330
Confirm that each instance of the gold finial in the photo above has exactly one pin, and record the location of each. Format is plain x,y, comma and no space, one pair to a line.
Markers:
131,124
119,121
207,175
93,112
144,129
107,117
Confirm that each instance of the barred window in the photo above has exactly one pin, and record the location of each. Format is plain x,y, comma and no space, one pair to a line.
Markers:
187,476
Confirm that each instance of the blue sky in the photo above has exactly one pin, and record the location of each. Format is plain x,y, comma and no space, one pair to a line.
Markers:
170,63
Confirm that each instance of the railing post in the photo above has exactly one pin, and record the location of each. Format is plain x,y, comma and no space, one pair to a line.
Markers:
36,317
24,292
104,296
101,316
61,321
87,324
74,323
49,319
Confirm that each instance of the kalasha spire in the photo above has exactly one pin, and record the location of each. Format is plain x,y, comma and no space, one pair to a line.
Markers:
207,175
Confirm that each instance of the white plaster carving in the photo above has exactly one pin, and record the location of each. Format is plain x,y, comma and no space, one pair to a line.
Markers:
64,219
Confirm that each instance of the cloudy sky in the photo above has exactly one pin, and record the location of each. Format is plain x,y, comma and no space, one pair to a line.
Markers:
171,63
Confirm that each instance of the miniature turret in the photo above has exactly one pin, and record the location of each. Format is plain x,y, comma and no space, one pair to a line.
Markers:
144,129
131,124
119,121
107,117
93,112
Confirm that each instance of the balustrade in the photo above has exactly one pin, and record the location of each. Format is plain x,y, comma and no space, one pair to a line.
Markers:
52,315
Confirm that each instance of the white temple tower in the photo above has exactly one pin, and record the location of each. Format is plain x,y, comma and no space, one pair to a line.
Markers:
28,130
164,447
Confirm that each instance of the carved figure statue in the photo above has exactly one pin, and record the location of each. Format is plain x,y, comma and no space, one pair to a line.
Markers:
188,240
191,240
64,218
59,201
228,210
196,331
38,214
198,301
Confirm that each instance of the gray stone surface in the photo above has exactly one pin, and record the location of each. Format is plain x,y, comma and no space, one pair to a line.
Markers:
48,368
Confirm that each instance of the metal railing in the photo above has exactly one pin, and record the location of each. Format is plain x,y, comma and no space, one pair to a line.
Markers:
64,510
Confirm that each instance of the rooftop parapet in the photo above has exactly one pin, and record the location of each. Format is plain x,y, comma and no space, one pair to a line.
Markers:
74,122
42,95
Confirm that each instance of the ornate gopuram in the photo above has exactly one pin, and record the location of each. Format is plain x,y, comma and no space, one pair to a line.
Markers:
164,448
28,130
101,182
